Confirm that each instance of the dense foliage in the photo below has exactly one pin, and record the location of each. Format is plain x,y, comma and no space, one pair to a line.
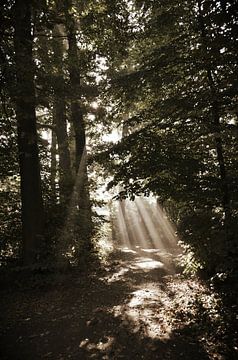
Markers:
165,73
63,49
177,88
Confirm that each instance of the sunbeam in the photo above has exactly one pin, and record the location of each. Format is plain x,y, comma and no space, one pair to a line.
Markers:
167,227
144,228
154,231
161,230
138,228
123,236
74,203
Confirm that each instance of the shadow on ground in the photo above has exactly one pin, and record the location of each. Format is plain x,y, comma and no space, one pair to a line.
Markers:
136,308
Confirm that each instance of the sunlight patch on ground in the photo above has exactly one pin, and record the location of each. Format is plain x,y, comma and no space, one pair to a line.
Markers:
137,261
140,296
102,345
144,311
117,276
161,308
146,264
152,251
127,250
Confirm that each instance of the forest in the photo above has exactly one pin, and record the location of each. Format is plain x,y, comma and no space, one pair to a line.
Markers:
119,183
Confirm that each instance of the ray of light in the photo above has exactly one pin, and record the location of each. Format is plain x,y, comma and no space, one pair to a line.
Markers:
124,236
74,203
146,229
161,230
128,211
152,229
167,227
138,229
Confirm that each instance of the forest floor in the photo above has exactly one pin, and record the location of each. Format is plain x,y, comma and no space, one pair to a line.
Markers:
135,307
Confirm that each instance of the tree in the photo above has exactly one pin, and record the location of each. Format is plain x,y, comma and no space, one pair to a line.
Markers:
59,117
31,195
77,120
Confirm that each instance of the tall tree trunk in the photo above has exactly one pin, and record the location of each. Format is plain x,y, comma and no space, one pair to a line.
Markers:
77,121
31,195
60,120
75,94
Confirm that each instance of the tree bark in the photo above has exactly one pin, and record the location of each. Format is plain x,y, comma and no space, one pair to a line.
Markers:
31,195
76,110
60,120
77,120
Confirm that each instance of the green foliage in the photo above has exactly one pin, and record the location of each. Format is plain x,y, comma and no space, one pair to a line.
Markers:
204,234
174,77
10,208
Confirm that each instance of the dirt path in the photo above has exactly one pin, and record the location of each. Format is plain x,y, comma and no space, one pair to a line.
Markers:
136,308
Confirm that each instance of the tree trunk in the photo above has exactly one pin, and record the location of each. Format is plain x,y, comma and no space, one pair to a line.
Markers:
60,121
31,196
76,110
77,121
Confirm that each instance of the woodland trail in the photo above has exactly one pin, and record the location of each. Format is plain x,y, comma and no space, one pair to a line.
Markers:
135,308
